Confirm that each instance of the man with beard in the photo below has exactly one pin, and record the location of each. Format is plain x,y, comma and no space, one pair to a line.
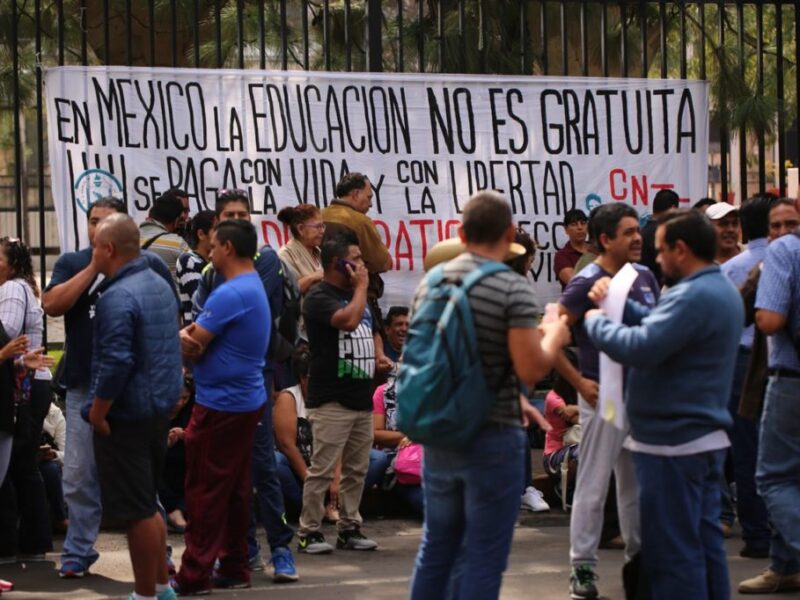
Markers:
725,218
615,227
680,357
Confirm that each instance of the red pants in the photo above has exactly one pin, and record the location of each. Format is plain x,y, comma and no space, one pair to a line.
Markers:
218,489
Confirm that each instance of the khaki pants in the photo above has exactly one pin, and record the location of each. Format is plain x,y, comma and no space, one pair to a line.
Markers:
337,431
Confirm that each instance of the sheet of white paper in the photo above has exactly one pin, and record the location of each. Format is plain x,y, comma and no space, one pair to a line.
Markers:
610,404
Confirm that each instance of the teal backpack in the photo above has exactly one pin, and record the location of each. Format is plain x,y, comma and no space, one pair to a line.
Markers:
442,396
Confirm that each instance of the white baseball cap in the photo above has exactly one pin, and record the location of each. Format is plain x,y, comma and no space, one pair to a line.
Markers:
719,210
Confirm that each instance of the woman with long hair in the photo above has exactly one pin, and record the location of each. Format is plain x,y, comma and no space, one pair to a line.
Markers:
21,314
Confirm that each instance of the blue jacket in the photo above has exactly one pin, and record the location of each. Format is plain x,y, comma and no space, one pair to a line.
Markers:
136,355
682,355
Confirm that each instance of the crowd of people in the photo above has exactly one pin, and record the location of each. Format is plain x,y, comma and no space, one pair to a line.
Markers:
212,384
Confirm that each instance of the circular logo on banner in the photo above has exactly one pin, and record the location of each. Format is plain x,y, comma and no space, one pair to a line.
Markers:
94,184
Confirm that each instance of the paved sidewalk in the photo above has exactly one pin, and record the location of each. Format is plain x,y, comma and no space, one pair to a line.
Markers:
538,568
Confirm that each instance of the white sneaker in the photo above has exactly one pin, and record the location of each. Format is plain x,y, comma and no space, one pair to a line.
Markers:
533,500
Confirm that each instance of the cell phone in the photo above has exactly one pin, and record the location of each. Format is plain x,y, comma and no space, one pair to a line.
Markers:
342,264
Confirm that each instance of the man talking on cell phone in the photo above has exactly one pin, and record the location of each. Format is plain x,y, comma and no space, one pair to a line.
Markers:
342,334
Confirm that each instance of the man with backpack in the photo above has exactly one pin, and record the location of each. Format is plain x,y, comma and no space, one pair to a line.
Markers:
235,204
342,334
158,233
474,337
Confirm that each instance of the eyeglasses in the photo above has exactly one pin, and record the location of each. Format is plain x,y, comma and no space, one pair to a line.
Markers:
320,226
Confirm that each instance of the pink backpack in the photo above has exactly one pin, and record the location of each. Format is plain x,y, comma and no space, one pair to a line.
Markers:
408,465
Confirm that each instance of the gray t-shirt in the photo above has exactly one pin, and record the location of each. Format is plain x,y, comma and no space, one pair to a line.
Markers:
499,302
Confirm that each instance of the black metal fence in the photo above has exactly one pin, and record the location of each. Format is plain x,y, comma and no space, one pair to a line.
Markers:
748,50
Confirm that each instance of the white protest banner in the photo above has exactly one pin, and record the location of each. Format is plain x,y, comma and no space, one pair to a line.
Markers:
427,142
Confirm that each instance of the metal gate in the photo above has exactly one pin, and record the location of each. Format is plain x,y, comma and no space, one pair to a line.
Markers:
747,50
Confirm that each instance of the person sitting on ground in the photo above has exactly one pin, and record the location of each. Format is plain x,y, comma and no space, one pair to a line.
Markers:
395,326
189,269
171,486
51,462
391,441
575,223
294,442
562,441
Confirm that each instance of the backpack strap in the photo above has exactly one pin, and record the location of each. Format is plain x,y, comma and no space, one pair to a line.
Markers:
484,270
150,242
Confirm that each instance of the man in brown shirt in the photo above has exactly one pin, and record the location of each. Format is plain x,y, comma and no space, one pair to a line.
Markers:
349,212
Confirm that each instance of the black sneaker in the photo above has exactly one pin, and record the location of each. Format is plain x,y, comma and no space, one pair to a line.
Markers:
353,539
581,583
313,543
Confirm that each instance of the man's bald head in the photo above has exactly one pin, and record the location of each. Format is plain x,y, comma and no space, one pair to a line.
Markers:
120,231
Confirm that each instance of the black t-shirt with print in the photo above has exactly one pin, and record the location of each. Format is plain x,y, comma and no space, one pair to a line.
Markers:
342,365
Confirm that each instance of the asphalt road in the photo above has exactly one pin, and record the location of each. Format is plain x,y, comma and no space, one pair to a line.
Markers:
538,568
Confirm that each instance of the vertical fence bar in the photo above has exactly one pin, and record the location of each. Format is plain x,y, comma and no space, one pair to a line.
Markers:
173,17
643,35
262,37
106,37
584,41
374,36
662,19
348,38
128,32
151,31
60,10
84,27
623,11
284,34
563,32
723,132
604,37
484,37
462,38
240,34
683,8
762,171
702,18
16,107
400,58
326,34
543,25
196,32
742,132
440,34
40,158
523,39
420,37
780,90
306,61
218,31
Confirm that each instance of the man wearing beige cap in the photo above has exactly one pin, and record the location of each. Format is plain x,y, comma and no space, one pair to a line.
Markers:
725,218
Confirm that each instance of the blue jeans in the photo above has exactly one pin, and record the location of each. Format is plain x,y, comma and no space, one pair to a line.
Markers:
81,485
778,471
744,447
682,543
471,502
291,485
267,485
